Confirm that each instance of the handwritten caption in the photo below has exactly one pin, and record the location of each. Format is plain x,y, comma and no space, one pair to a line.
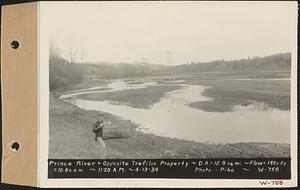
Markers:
263,168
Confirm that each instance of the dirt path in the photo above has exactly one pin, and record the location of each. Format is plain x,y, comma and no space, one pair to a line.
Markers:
71,137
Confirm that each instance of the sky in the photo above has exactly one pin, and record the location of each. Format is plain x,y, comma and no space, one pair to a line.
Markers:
170,32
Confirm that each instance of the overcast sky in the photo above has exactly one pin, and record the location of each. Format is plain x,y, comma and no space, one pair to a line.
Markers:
171,32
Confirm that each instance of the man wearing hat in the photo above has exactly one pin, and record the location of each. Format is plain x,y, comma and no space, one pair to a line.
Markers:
98,127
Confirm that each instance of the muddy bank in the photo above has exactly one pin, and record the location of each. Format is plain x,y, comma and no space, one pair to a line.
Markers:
137,98
71,137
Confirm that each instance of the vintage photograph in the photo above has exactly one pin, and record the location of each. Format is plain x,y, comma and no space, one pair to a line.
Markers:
146,80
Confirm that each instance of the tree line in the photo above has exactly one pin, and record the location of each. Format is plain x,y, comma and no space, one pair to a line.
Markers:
277,62
64,72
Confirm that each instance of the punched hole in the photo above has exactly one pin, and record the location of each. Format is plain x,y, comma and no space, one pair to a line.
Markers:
14,44
14,146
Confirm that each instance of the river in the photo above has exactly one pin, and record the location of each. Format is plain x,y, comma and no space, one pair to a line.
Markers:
172,117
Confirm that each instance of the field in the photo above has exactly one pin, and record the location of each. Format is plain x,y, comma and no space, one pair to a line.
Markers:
71,135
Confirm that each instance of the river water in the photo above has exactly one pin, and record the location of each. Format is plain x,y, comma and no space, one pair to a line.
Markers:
172,117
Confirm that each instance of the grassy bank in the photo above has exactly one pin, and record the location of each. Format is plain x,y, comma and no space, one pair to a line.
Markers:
227,93
137,98
71,137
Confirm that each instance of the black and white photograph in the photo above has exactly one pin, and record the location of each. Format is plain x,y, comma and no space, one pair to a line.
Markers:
170,81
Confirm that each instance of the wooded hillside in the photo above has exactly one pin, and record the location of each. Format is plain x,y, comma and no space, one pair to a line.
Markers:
62,73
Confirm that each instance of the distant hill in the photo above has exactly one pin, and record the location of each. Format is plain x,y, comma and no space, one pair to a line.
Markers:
278,62
63,73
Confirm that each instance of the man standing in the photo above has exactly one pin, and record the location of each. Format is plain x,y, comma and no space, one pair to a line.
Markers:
98,127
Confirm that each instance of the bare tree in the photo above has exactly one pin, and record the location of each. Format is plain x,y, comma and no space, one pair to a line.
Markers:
53,50
71,51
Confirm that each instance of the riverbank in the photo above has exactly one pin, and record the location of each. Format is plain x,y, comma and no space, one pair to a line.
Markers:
71,137
225,94
225,91
137,98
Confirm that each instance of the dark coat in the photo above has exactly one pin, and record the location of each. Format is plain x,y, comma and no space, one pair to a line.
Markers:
98,129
